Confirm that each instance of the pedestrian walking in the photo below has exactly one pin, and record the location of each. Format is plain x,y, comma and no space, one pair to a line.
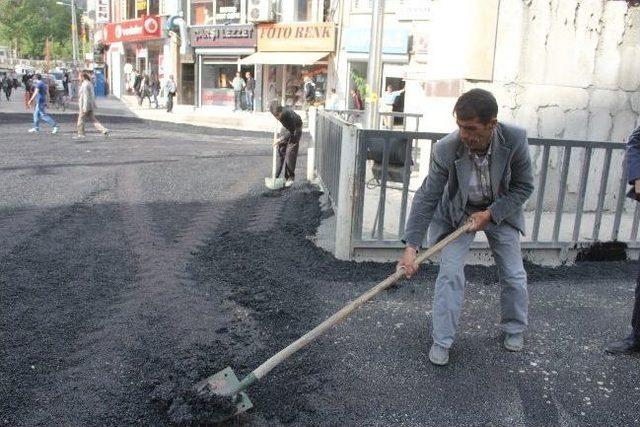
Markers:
28,89
65,83
170,89
480,173
238,85
145,90
386,106
155,89
288,143
631,344
87,107
309,91
250,90
7,87
137,82
40,94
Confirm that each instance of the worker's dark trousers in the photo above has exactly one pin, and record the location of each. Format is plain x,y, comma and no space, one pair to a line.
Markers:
635,319
288,155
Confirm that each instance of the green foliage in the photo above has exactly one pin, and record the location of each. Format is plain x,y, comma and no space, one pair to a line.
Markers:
361,84
28,23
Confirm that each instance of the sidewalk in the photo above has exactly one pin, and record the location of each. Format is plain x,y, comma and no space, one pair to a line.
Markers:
214,117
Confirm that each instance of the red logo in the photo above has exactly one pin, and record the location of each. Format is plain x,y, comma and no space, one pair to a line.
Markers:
150,25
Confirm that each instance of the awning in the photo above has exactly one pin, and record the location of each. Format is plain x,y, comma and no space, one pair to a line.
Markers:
280,58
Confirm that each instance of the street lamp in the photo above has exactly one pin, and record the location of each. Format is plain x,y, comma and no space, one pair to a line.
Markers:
74,30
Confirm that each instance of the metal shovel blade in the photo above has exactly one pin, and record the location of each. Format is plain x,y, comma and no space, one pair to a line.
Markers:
274,183
225,383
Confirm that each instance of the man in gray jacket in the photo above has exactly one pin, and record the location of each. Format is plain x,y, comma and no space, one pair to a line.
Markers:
479,173
87,107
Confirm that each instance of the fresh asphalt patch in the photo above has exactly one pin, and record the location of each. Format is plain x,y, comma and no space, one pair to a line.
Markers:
124,284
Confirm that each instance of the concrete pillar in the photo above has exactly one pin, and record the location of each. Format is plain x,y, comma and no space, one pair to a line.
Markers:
346,193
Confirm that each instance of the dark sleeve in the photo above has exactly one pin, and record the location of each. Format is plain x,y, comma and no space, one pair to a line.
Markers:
633,156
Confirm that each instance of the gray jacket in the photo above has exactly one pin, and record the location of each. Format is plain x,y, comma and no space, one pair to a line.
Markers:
442,197
86,97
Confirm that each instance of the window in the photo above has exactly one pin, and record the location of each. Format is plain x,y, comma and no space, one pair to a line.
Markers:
304,10
365,6
154,7
209,12
202,12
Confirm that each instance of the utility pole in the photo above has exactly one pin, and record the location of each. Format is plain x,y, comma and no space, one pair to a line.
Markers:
74,34
374,70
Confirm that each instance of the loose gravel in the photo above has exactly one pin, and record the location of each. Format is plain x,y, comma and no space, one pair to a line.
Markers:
136,266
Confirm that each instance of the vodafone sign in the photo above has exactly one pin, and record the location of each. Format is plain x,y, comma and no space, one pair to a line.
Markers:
147,28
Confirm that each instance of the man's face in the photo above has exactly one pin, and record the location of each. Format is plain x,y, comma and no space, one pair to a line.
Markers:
475,134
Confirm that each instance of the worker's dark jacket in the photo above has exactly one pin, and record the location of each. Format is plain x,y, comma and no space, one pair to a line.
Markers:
291,121
633,161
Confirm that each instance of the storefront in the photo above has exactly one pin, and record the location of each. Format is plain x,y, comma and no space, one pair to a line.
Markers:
287,53
395,58
135,44
218,49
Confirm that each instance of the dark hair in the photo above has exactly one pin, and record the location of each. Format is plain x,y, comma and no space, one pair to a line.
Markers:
275,108
476,103
38,76
86,76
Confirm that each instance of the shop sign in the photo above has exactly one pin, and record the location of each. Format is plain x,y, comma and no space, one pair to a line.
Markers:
395,40
223,97
228,13
147,28
297,37
102,11
414,10
141,4
223,36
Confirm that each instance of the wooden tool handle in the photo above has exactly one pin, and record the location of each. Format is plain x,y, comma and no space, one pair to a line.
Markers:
345,311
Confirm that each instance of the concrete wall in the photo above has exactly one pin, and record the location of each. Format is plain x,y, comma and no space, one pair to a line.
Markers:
567,69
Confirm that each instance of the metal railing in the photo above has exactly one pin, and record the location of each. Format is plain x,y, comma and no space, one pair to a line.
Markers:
389,157
328,143
387,120
390,154
579,197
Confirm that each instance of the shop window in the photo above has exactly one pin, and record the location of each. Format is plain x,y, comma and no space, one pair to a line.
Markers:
209,12
365,6
202,12
154,7
216,84
131,10
304,10
227,11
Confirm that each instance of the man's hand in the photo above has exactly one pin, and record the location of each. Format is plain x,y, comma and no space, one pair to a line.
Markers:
408,261
479,220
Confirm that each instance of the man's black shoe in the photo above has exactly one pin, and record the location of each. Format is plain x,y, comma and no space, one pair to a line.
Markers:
628,345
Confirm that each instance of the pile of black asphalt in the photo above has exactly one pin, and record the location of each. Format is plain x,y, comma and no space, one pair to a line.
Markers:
130,275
